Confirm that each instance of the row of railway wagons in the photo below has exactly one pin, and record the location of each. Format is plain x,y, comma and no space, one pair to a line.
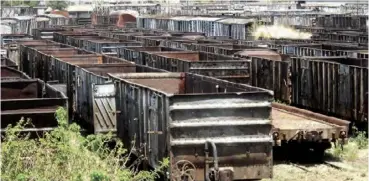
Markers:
187,101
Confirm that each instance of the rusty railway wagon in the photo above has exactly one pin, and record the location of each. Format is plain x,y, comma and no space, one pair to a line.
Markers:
8,38
346,36
335,86
139,54
298,132
279,82
61,36
325,50
188,118
73,71
7,62
220,66
108,46
44,33
30,99
26,59
40,57
10,73
83,79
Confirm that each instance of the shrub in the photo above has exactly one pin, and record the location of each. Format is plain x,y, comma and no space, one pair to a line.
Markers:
64,154
350,151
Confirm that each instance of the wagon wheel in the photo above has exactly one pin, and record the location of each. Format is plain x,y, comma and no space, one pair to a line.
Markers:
184,171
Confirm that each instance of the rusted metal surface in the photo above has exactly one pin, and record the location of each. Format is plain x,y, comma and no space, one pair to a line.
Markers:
61,37
7,62
77,41
181,112
223,49
129,35
93,106
272,75
330,87
139,54
323,50
343,21
108,46
10,38
41,58
62,68
31,99
24,57
288,121
220,66
261,53
9,73
361,62
345,36
35,61
79,72
344,124
44,33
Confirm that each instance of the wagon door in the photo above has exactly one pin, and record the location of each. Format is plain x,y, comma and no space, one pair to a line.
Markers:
104,109
344,90
132,129
305,79
155,127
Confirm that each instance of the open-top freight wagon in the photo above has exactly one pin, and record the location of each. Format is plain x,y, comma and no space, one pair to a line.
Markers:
29,99
209,128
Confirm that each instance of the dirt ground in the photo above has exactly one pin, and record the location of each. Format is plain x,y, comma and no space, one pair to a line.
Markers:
342,170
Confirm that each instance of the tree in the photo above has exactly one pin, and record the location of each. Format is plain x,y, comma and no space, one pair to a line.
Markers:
20,2
60,5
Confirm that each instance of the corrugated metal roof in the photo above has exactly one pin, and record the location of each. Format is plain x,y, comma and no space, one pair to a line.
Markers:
206,18
236,21
254,52
80,8
23,17
182,18
55,15
327,4
8,21
42,19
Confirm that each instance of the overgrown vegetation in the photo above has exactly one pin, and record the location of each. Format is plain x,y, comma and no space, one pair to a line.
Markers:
350,151
59,5
64,154
20,2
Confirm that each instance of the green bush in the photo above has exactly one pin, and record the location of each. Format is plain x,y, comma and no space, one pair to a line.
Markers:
350,151
360,138
64,154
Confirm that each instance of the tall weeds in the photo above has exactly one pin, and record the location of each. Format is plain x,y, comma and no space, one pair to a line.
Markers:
64,154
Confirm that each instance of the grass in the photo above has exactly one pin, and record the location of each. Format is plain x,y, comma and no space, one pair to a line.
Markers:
352,160
64,154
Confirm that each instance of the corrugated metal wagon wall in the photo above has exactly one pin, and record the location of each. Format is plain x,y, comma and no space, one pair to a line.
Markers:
337,89
272,75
